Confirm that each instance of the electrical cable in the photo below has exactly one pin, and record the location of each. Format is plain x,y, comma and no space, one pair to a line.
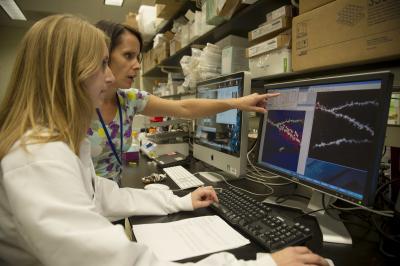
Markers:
258,169
378,190
383,233
308,213
379,212
257,179
245,190
327,210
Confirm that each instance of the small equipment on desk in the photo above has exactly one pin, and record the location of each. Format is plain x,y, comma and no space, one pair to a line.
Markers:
153,150
170,159
182,177
258,221
153,178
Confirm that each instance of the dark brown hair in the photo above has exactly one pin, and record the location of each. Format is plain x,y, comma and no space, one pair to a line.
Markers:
115,30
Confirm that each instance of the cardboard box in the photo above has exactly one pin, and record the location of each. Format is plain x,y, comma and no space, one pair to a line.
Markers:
269,29
185,34
219,11
394,110
131,20
346,32
233,40
233,59
284,11
226,8
165,2
308,5
148,61
272,63
204,26
174,46
280,41
248,2
160,52
212,16
166,11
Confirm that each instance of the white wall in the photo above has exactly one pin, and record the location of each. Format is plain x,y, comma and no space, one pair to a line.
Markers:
10,38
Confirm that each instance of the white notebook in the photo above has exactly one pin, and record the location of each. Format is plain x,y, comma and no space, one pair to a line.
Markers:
189,237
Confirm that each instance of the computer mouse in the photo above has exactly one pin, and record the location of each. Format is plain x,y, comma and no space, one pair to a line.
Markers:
156,186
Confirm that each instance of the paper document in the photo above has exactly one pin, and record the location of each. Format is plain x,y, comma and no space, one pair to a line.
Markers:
189,237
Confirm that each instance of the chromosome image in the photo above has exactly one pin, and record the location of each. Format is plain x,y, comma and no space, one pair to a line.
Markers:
342,136
283,136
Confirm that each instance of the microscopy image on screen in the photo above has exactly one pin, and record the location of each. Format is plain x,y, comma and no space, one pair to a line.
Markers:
343,128
283,135
346,180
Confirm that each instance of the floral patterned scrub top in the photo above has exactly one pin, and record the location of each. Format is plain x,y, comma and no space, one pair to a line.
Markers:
106,165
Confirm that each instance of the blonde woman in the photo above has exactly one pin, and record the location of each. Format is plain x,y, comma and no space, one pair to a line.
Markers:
54,210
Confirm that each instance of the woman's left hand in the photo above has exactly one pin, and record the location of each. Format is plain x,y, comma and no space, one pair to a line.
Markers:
203,197
254,102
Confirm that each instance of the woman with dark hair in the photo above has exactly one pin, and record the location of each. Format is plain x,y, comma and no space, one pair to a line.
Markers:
110,135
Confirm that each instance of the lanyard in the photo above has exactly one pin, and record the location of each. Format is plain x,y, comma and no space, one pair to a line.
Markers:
120,130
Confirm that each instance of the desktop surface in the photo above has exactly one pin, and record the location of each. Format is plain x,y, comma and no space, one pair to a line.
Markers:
363,251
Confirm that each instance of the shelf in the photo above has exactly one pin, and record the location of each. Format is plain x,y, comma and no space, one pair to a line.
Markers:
176,95
154,72
167,26
334,70
169,122
240,24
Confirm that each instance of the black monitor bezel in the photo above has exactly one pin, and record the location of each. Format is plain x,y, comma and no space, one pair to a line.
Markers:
237,75
373,172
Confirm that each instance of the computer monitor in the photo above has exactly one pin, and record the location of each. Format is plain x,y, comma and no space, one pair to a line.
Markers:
327,134
221,139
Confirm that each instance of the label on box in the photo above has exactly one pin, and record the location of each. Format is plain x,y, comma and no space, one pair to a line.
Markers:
280,12
268,28
263,47
271,63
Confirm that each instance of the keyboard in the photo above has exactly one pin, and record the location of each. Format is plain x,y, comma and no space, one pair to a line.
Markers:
182,177
258,221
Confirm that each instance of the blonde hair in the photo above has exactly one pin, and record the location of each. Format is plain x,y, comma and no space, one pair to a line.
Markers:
46,88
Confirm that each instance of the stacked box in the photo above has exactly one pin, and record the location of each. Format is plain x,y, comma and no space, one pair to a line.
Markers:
272,63
148,62
174,46
365,31
234,60
160,52
270,29
232,40
281,41
269,53
308,5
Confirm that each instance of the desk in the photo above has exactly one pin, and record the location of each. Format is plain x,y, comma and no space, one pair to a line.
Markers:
364,251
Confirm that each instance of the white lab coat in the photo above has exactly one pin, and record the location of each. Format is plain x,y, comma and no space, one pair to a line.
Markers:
54,210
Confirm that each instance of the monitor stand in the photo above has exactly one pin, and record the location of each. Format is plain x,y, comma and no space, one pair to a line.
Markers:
332,229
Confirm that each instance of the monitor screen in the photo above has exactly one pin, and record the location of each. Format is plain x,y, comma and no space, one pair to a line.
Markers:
328,133
221,131
221,139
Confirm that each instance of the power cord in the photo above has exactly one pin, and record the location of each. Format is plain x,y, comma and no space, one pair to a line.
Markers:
245,190
255,173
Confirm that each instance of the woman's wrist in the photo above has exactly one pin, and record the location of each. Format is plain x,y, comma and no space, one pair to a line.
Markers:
232,103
